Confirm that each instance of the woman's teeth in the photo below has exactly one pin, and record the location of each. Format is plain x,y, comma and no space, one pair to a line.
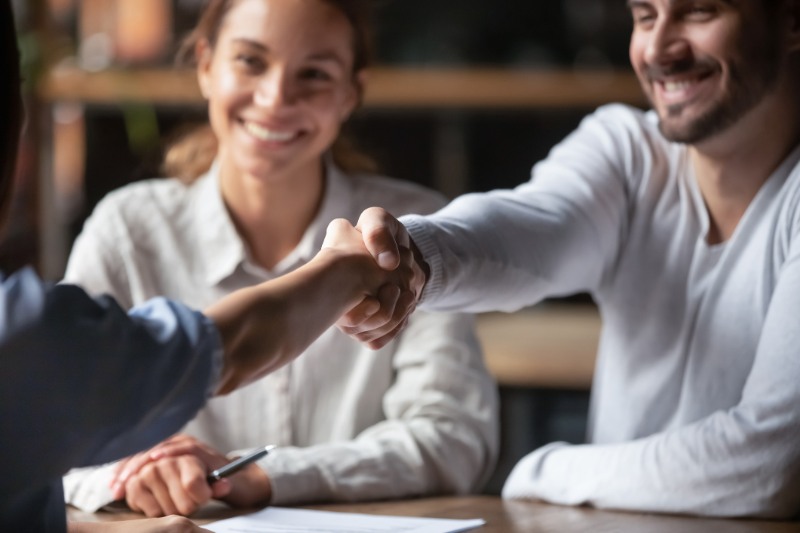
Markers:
264,134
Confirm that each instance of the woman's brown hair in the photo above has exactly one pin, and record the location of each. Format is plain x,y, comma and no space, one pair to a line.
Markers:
193,152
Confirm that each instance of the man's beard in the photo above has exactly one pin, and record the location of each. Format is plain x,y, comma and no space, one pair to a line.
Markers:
747,88
724,113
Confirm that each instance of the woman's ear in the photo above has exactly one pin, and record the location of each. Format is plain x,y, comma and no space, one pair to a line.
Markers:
203,55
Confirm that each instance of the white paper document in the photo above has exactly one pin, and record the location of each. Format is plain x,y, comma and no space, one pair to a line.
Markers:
281,520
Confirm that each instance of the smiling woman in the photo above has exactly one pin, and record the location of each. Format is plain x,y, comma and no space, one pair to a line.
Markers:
192,154
281,77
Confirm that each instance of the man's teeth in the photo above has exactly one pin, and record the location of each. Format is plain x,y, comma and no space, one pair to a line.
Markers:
674,86
265,134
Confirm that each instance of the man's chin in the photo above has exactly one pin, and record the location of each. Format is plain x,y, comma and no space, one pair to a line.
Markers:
678,126
681,133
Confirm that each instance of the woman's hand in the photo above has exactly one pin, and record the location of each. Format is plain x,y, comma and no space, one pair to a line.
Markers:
171,479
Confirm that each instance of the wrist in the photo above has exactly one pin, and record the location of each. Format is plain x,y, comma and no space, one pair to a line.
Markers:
423,266
250,488
352,275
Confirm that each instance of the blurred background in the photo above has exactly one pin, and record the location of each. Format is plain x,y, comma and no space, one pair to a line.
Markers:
466,96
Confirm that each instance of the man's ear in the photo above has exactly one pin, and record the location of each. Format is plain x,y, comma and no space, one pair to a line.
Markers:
203,55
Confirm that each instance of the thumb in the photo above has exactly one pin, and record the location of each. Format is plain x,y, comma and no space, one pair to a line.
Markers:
383,235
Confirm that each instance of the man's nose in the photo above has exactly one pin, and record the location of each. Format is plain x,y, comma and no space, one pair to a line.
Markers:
667,44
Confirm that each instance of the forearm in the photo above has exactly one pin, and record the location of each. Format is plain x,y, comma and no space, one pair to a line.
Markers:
265,326
398,461
485,253
711,468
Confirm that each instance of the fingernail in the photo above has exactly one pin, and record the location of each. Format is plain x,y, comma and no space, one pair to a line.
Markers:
386,260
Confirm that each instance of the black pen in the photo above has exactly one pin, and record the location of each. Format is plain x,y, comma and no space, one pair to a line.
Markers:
237,464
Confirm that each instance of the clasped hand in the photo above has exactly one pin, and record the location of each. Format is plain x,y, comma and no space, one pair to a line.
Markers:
376,321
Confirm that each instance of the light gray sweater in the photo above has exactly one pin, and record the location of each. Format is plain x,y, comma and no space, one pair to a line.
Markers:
696,397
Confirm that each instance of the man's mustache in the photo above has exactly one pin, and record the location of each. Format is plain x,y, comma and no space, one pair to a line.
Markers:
677,68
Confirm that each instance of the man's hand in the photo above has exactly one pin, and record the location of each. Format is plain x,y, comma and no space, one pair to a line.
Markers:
171,479
376,321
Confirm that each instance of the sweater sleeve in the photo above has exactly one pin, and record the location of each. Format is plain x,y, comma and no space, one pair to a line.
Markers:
507,249
744,461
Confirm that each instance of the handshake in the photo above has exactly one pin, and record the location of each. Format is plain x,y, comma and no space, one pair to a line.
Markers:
366,279
381,315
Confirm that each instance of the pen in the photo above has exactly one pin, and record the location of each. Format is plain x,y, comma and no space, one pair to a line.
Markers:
237,464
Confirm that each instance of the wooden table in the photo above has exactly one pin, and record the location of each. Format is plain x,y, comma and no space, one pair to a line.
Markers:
514,516
550,347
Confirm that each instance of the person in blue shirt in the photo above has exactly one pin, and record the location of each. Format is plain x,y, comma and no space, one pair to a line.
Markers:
84,382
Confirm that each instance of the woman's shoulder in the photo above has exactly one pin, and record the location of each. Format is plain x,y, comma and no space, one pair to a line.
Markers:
395,195
144,201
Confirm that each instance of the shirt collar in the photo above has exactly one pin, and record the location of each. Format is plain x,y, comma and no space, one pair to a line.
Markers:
336,203
221,250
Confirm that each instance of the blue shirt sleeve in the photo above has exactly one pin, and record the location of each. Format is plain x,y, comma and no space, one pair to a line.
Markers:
83,382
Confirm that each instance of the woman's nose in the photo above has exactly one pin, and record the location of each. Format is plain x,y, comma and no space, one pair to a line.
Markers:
273,90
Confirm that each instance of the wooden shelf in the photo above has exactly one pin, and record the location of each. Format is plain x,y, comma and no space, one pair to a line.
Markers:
388,87
552,347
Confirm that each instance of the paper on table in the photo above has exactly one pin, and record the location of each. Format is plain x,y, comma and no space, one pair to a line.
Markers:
280,520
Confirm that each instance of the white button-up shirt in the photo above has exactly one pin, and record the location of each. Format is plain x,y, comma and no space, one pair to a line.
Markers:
416,417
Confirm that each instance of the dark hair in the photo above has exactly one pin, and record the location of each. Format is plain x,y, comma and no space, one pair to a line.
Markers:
193,152
11,103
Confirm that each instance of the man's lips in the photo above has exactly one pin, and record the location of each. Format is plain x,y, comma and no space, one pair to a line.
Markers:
677,89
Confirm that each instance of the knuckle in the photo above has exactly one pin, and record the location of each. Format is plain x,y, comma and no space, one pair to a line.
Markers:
186,508
338,224
196,486
148,471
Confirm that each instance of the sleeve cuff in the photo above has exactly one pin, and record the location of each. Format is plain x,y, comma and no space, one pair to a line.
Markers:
525,480
87,488
415,224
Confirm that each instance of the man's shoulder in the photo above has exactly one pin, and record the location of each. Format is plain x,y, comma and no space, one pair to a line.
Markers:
625,116
631,136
